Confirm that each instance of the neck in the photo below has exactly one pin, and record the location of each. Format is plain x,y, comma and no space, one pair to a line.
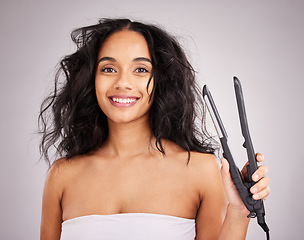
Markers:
129,139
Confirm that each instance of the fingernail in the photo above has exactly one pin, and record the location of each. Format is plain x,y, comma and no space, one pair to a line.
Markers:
255,196
254,190
255,177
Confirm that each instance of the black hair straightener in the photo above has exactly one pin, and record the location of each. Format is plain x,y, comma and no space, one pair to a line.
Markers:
256,207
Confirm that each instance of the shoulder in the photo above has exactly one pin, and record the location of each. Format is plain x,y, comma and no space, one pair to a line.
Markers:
53,181
205,171
55,184
208,180
204,160
204,163
198,162
64,165
62,170
202,167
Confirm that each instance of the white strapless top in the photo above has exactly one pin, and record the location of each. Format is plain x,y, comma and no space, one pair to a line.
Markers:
133,226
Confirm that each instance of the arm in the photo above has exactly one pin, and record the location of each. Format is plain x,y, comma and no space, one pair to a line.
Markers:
213,206
216,219
236,222
51,218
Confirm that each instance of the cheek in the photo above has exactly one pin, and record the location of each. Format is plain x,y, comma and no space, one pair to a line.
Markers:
100,90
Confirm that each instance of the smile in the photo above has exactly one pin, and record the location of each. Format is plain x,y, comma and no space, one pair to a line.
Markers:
123,102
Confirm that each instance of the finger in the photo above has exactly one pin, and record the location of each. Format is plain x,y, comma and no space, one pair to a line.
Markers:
225,168
259,173
262,194
227,181
259,186
230,189
259,157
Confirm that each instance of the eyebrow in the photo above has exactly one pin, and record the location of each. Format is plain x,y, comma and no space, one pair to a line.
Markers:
114,60
142,59
106,59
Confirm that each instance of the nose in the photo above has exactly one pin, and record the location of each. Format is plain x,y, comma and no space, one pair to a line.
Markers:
123,81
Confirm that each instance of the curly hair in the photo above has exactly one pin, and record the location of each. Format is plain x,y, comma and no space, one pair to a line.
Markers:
71,120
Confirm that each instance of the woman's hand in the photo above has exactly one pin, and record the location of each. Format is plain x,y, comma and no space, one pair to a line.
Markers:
260,190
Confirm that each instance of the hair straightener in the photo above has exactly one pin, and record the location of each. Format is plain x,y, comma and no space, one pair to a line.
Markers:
256,207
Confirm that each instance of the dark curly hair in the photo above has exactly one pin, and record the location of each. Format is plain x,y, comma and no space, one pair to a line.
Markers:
71,120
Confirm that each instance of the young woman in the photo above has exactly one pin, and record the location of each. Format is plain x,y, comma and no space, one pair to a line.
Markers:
135,165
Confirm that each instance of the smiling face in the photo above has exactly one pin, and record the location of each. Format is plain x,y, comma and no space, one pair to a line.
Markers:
123,72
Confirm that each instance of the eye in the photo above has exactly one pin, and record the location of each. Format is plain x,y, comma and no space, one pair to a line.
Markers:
141,70
108,70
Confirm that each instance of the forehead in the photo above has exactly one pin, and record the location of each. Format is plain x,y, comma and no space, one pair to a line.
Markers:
125,43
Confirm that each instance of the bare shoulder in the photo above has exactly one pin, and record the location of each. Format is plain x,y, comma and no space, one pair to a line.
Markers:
63,165
55,182
202,168
63,169
205,171
199,162
54,172
204,162
207,178
61,173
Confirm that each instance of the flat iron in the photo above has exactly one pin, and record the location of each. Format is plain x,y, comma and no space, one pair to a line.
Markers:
256,207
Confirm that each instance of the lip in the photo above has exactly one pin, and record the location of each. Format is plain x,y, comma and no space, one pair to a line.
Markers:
122,104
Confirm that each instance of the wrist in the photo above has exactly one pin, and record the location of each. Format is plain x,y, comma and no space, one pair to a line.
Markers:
235,224
238,212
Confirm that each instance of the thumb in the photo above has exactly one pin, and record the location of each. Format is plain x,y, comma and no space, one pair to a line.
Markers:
231,192
225,168
227,181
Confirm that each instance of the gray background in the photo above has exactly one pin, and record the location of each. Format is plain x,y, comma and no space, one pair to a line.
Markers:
259,41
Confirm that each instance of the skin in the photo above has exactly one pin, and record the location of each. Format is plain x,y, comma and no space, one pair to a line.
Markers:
128,174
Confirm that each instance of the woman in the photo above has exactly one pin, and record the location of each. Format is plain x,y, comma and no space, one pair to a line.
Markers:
135,165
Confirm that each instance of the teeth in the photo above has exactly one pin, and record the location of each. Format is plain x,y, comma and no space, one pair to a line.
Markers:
124,100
